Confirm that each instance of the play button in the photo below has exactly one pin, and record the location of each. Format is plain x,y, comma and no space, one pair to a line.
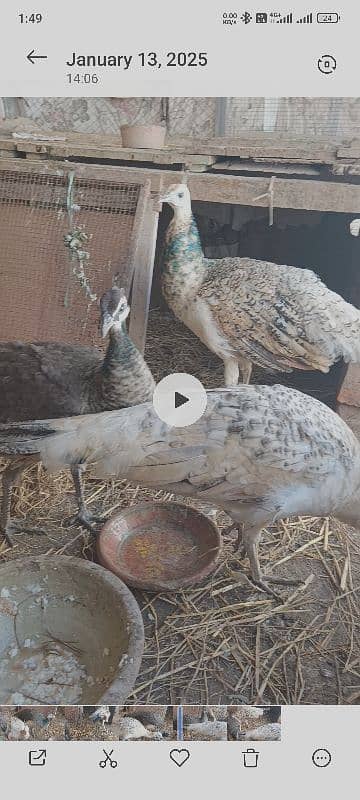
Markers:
179,399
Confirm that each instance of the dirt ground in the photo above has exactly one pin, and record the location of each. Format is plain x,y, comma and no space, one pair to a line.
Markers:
223,641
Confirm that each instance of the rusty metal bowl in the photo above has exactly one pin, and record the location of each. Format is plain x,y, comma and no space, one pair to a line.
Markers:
159,546
66,616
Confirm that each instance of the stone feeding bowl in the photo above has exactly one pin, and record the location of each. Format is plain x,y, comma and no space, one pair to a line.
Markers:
70,632
159,546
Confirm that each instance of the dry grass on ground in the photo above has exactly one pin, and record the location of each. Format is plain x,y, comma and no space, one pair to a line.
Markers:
223,641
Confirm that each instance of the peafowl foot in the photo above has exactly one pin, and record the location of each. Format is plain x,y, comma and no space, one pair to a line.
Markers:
15,526
87,520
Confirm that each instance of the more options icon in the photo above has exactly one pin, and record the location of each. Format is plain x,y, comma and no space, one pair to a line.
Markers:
321,757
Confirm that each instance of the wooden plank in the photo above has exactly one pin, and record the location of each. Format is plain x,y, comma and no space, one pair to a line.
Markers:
315,155
349,393
311,195
68,150
142,282
256,145
7,144
343,169
98,172
350,415
266,146
351,150
8,154
273,168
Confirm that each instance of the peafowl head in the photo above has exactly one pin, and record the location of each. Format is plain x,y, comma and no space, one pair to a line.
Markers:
178,197
355,227
114,309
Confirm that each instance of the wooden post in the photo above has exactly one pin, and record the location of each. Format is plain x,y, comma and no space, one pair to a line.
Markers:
220,120
143,273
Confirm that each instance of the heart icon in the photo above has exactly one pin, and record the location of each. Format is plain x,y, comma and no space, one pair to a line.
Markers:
179,756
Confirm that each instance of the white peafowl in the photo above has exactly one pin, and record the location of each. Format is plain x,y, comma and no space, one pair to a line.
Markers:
129,728
261,453
253,312
264,733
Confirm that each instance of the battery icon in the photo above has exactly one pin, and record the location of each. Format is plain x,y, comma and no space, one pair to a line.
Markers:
331,16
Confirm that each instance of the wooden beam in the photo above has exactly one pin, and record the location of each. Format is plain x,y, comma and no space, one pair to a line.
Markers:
274,168
349,393
143,273
351,150
311,195
138,227
165,156
350,415
308,195
255,145
220,118
346,169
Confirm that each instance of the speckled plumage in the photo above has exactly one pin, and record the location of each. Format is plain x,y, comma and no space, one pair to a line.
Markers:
49,379
248,311
260,453
129,728
264,733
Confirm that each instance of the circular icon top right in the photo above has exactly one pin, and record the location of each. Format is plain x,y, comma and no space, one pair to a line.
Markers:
327,64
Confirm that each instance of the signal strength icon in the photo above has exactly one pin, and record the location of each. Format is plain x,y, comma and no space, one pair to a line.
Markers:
287,19
308,18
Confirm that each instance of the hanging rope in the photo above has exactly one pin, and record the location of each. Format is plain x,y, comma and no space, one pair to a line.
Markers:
75,241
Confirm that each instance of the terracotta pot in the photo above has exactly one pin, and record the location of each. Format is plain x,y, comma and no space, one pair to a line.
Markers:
143,136
159,546
67,599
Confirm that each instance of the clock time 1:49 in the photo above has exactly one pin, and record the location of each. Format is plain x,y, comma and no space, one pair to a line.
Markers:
34,17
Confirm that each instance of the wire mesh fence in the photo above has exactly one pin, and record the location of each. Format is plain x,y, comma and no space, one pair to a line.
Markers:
201,117
64,240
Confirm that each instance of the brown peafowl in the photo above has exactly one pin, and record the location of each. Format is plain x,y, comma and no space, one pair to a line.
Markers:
49,379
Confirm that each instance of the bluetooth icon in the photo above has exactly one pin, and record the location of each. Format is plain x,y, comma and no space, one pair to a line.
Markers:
246,17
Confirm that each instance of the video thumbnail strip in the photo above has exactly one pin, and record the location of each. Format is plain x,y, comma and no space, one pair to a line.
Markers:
140,723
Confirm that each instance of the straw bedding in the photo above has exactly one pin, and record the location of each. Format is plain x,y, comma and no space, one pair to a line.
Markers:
223,641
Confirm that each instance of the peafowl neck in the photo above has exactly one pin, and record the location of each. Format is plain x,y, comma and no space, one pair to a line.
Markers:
125,379
184,261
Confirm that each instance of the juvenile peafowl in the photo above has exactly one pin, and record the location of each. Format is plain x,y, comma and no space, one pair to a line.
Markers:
261,453
253,312
49,379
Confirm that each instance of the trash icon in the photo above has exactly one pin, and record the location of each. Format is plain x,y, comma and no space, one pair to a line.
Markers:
251,757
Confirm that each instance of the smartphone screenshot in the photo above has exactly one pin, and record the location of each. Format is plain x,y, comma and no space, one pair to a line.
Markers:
179,399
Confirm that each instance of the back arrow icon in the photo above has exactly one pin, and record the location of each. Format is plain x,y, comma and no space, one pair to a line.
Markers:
31,57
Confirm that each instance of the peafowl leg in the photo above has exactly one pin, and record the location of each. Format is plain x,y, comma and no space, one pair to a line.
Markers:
83,516
250,538
246,370
247,542
231,375
10,478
